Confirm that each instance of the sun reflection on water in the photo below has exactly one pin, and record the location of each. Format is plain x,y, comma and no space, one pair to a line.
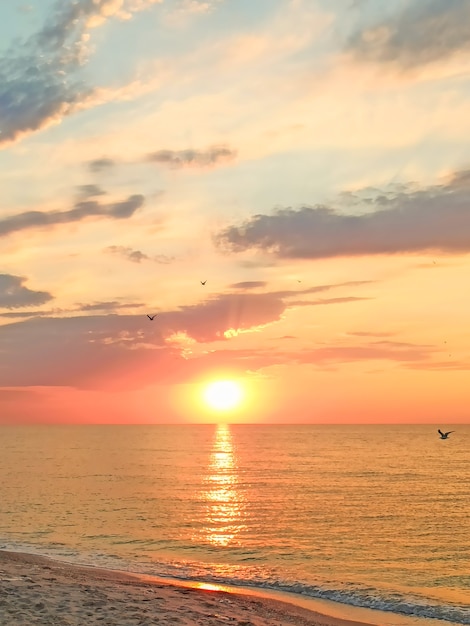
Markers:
225,509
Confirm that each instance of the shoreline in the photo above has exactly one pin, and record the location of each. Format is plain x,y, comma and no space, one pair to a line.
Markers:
40,590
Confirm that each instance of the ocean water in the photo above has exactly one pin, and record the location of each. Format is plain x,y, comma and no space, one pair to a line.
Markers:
367,516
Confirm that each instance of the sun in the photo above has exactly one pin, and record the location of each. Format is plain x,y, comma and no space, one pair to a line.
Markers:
223,395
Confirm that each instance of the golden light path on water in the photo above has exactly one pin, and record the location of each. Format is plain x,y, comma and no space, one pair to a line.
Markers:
225,509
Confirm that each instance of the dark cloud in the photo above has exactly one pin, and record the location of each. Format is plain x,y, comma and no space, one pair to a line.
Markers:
101,165
81,210
407,220
175,158
249,284
39,81
14,295
192,158
424,32
41,77
90,191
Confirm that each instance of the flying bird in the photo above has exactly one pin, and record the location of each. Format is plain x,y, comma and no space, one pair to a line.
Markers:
444,435
203,282
151,318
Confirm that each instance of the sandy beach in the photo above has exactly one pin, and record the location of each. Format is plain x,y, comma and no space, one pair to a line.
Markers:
38,590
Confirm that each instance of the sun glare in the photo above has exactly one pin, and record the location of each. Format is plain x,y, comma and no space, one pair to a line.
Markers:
223,395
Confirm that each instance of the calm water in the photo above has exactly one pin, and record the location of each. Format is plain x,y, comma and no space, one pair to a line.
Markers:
372,516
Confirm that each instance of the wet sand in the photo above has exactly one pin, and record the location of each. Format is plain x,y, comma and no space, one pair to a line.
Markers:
38,590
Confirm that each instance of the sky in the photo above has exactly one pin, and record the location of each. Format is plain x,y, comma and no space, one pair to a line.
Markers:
308,159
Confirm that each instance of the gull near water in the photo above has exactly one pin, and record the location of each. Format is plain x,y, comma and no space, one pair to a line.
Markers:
444,435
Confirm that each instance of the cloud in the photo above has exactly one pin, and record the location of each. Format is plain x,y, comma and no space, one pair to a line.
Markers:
192,158
13,294
366,333
377,351
322,301
102,351
128,351
249,284
81,210
90,191
19,314
136,256
109,305
185,7
426,31
176,159
403,220
101,165
40,79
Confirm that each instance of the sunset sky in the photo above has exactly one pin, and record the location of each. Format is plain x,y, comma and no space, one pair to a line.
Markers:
308,158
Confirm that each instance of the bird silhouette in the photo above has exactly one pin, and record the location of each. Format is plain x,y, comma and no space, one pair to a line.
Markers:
444,435
203,282
151,318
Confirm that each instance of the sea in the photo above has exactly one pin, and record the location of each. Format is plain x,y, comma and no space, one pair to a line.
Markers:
355,517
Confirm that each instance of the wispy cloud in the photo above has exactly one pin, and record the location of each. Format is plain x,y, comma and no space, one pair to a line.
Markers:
367,333
13,293
108,305
195,6
249,284
193,158
81,210
323,301
101,165
402,353
426,31
136,256
407,220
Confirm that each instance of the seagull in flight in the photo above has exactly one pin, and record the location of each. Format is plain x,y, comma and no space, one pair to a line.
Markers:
151,318
203,282
444,435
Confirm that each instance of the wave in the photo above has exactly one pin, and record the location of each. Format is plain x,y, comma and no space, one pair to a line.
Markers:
247,577
367,598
